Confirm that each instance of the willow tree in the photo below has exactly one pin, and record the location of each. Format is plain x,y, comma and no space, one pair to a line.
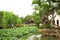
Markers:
46,7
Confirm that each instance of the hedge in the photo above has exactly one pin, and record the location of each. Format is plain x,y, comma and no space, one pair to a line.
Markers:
17,32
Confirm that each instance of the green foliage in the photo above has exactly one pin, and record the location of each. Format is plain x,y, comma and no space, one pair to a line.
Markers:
7,19
27,18
1,16
18,33
44,26
47,25
8,38
44,7
37,18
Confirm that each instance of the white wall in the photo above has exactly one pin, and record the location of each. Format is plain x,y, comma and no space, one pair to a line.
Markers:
56,18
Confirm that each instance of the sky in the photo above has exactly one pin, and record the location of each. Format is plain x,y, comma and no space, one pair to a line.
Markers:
18,7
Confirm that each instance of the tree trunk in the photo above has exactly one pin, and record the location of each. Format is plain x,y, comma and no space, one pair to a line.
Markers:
38,25
53,17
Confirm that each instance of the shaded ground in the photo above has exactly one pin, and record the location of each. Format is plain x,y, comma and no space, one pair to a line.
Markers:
49,38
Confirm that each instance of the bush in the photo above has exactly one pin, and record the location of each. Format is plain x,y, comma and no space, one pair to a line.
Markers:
43,26
8,38
17,32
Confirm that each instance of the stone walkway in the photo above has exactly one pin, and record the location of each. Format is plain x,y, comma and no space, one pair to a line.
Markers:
34,37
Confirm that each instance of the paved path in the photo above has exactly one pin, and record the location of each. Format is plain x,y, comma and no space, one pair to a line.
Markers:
34,37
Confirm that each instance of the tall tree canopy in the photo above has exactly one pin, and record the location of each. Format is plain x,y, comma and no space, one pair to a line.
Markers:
44,6
47,7
8,19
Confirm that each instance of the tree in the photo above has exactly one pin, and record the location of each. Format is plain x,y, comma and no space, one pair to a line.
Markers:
8,19
37,18
1,16
46,7
19,22
27,18
43,7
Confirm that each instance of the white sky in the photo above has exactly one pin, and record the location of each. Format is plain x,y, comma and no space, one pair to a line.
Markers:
19,7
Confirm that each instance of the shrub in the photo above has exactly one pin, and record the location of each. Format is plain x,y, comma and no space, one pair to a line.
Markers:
17,32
